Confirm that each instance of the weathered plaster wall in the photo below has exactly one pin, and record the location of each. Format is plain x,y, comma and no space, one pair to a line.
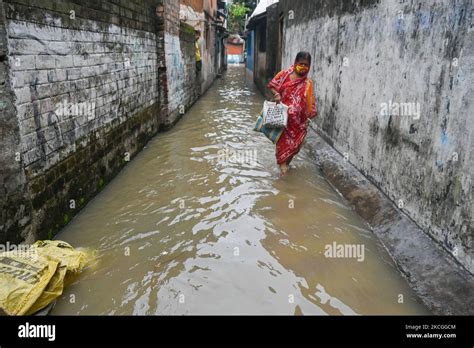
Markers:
182,87
208,52
209,45
83,86
369,55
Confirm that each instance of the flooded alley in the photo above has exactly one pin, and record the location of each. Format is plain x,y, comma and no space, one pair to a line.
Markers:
185,230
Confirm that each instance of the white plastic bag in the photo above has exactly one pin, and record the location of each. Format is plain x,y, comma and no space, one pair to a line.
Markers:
275,115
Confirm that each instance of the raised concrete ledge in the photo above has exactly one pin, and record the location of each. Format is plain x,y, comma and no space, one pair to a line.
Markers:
443,285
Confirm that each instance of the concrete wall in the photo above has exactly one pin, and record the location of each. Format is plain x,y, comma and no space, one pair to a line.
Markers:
83,87
371,55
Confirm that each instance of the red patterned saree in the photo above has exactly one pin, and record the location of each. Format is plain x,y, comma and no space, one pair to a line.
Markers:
298,95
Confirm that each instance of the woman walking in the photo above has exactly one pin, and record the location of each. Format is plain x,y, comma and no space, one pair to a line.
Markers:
293,88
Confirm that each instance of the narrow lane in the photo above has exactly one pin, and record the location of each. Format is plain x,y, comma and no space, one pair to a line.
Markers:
183,230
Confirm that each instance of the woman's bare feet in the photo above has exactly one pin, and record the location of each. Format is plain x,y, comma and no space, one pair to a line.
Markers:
284,168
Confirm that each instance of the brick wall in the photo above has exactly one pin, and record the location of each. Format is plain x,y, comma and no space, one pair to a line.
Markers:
90,82
12,181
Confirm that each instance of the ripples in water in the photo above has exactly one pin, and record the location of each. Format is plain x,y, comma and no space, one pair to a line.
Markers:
180,231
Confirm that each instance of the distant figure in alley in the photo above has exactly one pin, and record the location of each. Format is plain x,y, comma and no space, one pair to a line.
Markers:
293,88
197,34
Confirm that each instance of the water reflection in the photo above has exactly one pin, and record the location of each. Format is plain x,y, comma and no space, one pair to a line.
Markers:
180,231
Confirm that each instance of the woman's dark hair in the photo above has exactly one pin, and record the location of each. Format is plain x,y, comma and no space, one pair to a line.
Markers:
303,55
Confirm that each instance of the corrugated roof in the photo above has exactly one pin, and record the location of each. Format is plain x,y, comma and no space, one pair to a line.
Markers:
262,7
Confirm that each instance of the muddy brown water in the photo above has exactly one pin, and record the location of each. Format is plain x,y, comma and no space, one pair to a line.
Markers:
201,223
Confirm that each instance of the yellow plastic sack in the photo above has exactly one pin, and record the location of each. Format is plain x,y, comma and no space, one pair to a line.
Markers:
53,290
30,281
71,262
74,260
23,278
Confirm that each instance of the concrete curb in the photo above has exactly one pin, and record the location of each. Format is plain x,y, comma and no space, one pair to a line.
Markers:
443,285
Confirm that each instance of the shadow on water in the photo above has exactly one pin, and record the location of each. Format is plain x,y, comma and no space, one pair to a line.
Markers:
201,223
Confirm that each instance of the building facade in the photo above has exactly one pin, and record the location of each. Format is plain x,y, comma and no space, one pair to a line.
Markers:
234,46
264,36
210,18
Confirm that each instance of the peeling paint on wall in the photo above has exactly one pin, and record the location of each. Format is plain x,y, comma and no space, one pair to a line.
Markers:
408,52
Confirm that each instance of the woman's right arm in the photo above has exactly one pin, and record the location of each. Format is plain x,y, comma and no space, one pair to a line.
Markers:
274,86
276,95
